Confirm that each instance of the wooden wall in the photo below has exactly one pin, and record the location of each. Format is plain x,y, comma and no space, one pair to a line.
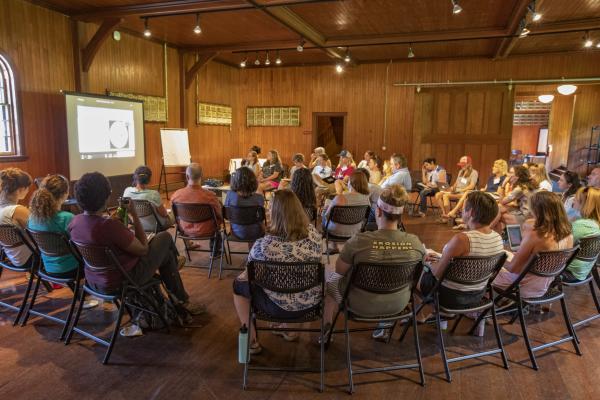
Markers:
359,91
586,113
38,41
559,130
525,138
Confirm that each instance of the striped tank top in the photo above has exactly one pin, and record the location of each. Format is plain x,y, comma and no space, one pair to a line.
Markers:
480,245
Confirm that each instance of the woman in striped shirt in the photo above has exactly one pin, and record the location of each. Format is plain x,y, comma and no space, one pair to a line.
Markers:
479,241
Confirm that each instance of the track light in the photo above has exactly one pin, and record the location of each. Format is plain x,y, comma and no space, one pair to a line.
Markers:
267,61
411,53
566,90
244,61
456,8
523,31
300,46
546,98
147,32
339,68
535,16
588,41
347,56
257,61
197,29
278,59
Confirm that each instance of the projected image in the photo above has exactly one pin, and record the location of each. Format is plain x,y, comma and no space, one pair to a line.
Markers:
105,132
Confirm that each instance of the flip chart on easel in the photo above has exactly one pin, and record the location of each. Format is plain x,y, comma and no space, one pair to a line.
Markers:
175,147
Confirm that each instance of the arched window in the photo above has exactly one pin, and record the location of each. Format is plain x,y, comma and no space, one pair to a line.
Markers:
10,124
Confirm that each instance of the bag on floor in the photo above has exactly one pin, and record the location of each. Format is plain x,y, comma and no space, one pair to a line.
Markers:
154,298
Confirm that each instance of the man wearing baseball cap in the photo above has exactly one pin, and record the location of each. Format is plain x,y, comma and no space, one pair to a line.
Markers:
343,171
465,182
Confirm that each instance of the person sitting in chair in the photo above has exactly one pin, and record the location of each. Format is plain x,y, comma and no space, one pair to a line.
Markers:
138,257
432,175
195,194
140,191
14,186
272,172
243,194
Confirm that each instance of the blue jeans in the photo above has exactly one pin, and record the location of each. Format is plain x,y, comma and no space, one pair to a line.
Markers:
427,192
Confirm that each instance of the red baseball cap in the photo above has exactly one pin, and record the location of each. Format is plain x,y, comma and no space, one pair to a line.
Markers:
464,161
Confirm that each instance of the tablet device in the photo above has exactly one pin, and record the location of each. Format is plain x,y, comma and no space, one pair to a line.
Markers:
514,236
443,186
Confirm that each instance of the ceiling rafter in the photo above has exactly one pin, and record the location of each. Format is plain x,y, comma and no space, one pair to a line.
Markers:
519,12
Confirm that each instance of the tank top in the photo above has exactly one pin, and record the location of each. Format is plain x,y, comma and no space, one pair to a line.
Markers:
480,245
17,255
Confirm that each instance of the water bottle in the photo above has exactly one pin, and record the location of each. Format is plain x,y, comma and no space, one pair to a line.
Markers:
122,210
243,345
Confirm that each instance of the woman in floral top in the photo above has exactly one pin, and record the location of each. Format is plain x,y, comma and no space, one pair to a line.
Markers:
291,238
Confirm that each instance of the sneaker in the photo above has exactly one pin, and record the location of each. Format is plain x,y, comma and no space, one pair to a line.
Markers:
194,308
287,336
91,303
381,335
132,330
181,262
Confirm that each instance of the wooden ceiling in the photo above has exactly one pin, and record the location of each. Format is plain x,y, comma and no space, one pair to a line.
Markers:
373,30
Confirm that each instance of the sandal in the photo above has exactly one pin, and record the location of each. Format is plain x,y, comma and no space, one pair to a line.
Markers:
255,348
442,220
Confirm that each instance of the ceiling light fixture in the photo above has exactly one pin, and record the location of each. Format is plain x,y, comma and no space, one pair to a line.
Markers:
147,32
535,16
197,29
278,59
339,68
257,61
456,8
267,61
598,45
588,41
411,53
546,98
347,56
244,61
300,46
523,31
566,89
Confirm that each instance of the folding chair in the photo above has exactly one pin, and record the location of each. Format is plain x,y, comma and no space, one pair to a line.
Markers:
244,216
197,213
589,251
53,244
344,215
383,280
467,271
11,236
143,209
312,214
547,264
281,277
102,260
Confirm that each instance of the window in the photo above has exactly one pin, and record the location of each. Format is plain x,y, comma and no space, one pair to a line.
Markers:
10,129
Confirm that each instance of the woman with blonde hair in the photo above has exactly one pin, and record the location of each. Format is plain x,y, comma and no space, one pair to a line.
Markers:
252,163
290,238
14,186
514,208
587,202
540,177
272,172
549,230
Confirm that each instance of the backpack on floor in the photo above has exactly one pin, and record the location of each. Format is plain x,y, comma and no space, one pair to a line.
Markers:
165,304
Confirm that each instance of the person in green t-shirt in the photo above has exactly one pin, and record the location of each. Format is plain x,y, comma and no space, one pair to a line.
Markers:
386,245
46,215
587,202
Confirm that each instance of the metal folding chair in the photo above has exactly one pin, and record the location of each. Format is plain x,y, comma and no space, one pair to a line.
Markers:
53,244
547,264
244,216
12,236
381,280
102,260
143,209
288,278
197,214
344,215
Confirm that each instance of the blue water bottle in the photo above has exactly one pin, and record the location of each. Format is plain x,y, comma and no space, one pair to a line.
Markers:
243,345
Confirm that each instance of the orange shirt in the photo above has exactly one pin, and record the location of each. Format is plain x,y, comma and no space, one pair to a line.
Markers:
195,194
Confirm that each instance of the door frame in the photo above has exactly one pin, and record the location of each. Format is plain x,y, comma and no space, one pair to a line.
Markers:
315,116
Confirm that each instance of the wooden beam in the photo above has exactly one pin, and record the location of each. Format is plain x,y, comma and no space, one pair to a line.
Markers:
295,23
566,26
76,54
202,60
89,52
182,100
178,7
507,44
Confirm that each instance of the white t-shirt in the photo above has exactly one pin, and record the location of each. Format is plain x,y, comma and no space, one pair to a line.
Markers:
20,254
323,172
546,185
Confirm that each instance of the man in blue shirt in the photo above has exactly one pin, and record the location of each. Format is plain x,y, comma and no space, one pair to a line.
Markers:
400,173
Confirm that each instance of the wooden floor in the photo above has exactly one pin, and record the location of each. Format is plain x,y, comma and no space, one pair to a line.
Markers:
201,362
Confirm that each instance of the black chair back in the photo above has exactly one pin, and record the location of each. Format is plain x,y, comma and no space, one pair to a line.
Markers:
251,215
11,236
288,278
550,264
474,270
589,249
99,259
311,213
193,213
51,244
143,208
385,278
349,215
